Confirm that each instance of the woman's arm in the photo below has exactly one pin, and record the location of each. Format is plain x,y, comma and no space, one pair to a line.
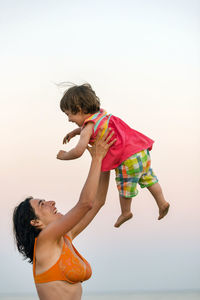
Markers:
99,202
65,223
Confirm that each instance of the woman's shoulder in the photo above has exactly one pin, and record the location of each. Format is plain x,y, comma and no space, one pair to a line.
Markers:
68,236
45,240
44,245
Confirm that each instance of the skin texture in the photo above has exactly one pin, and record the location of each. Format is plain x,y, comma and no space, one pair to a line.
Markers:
54,225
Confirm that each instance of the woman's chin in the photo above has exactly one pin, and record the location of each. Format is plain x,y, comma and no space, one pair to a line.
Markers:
59,214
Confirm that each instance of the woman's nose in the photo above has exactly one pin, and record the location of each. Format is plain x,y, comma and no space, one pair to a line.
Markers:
52,203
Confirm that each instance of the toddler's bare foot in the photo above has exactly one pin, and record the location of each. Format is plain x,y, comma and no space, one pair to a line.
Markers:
163,210
123,218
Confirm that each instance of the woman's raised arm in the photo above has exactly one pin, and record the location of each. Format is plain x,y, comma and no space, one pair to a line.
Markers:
67,222
98,203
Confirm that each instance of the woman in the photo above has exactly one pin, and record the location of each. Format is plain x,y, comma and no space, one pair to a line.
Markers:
44,236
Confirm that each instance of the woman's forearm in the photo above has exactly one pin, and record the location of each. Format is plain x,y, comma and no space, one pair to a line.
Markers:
98,203
95,187
102,189
98,152
89,190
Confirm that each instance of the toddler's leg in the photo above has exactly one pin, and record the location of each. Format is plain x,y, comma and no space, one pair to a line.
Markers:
126,214
163,205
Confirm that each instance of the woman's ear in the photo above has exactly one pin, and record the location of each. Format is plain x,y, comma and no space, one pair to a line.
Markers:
36,223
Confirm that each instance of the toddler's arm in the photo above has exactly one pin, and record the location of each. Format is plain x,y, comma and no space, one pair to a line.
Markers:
80,147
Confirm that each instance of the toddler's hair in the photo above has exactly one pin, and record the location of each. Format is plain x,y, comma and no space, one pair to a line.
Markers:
80,98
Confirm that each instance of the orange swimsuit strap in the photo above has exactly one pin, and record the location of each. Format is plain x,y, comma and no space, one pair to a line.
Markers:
69,267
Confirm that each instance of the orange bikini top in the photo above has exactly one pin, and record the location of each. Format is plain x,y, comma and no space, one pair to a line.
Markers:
67,268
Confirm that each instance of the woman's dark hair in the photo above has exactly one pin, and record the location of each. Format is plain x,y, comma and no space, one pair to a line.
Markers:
24,232
80,97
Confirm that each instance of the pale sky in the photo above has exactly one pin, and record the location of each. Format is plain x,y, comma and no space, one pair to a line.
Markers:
142,59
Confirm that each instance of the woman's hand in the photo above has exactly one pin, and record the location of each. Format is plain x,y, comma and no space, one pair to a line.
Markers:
102,144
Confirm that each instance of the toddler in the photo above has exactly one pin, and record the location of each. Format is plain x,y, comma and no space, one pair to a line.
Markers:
129,155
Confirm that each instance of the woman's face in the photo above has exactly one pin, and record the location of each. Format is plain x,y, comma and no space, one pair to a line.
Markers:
45,211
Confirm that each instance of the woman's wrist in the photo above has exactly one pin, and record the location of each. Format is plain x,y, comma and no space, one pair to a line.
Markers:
97,158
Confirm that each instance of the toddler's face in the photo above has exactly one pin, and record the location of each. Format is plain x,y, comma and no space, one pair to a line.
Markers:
77,118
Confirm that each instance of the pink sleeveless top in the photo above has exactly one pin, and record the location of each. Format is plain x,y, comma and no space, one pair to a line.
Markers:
129,141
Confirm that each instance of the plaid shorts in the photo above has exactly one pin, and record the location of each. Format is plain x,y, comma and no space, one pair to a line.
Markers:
136,169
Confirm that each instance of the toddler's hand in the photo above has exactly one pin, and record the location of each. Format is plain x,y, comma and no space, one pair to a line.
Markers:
71,134
68,137
61,155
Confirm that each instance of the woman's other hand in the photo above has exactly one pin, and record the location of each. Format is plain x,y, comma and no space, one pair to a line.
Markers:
102,144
